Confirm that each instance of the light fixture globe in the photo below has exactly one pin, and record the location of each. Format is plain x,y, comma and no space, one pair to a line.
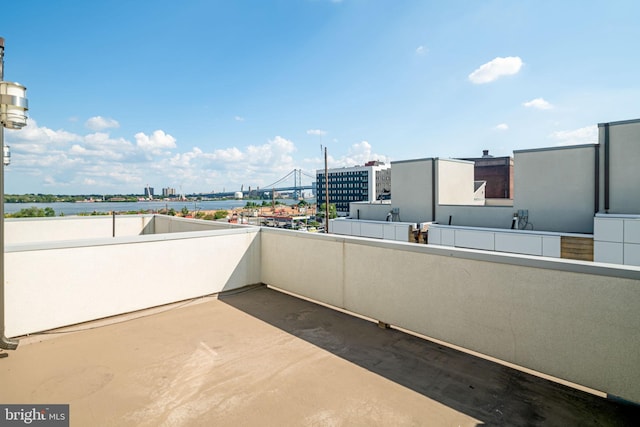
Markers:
13,105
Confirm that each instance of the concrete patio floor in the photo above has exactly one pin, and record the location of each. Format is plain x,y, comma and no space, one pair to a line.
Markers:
260,357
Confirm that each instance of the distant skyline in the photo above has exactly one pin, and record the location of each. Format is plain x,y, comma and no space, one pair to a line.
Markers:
205,95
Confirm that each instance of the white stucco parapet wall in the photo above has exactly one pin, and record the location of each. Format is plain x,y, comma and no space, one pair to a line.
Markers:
398,231
616,239
54,284
526,242
51,229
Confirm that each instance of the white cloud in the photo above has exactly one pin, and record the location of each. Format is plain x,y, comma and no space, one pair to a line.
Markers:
421,50
50,181
228,155
157,143
502,126
538,103
36,147
317,132
64,159
126,175
102,162
276,153
51,161
183,160
112,174
78,150
495,69
357,155
42,135
238,119
255,165
101,145
98,123
585,135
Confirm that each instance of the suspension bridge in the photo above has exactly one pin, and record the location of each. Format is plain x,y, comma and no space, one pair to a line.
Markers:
282,185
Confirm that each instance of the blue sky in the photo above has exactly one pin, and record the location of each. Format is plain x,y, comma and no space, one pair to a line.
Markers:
212,95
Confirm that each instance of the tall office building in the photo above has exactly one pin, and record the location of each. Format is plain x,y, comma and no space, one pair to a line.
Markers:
354,184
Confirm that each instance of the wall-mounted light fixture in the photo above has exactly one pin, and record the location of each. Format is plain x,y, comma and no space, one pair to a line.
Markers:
6,155
13,105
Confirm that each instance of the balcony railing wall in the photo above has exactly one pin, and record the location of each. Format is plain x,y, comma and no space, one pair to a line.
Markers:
48,285
570,319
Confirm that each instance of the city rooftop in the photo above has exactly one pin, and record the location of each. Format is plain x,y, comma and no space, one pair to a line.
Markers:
155,320
257,356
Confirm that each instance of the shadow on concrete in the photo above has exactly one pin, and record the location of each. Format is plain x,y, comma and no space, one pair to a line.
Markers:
484,390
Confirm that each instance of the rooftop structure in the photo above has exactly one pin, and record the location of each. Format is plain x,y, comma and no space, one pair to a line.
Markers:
585,206
578,182
497,172
261,357
211,361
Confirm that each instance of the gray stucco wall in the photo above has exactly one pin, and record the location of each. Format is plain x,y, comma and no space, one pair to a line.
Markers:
411,189
557,187
624,167
372,211
475,216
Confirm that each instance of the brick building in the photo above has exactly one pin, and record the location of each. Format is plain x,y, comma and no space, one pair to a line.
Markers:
497,172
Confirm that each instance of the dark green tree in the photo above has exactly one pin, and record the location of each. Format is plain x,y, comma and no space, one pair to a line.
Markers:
220,214
333,212
27,213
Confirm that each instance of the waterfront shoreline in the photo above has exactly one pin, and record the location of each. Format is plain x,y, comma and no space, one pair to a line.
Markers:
87,208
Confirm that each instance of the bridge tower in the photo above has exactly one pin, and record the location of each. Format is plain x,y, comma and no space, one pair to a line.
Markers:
297,183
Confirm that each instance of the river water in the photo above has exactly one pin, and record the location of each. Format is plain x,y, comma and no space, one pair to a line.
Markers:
67,208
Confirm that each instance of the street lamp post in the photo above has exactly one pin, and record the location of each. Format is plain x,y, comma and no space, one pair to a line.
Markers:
13,115
326,193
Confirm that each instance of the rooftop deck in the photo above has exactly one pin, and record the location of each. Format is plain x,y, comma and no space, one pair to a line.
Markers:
262,357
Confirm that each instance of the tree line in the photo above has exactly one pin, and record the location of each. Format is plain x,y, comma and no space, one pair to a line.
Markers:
55,198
